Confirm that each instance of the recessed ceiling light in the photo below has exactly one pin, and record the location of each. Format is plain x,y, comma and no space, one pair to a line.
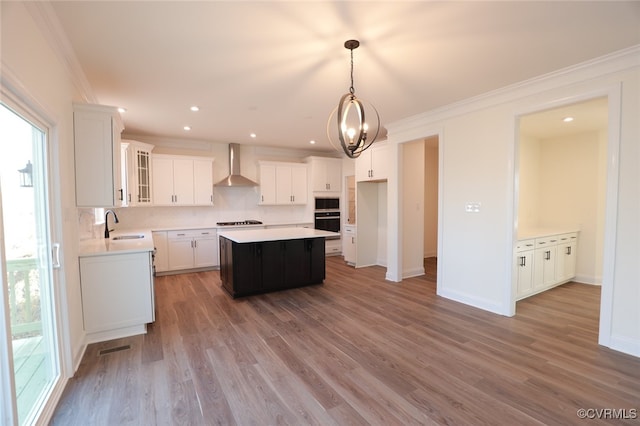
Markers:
122,110
567,119
195,108
187,128
253,135
312,142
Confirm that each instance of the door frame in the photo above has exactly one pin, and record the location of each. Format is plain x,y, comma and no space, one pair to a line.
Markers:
613,93
14,94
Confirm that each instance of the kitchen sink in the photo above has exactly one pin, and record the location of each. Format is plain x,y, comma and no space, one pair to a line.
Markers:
128,237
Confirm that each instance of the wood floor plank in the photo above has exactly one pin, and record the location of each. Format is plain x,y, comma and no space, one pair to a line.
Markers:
356,350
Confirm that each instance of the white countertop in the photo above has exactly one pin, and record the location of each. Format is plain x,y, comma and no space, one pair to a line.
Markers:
228,227
525,234
274,234
102,246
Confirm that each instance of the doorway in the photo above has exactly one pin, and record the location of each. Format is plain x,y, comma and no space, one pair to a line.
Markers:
419,175
562,182
29,341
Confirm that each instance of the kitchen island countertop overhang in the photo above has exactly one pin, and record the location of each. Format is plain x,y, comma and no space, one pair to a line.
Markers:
274,234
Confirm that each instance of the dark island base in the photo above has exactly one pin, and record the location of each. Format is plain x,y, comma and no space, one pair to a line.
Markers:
266,266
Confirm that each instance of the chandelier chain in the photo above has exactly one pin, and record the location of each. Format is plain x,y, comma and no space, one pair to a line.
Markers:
351,89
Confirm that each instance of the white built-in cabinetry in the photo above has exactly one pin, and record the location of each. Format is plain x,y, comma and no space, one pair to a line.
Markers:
544,262
283,183
117,292
349,244
194,248
96,132
326,174
136,173
161,244
182,181
372,164
178,250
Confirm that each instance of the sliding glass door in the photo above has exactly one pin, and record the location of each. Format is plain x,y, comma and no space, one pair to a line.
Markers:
28,340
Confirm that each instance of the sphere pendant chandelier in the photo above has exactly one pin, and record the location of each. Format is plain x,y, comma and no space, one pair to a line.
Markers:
353,130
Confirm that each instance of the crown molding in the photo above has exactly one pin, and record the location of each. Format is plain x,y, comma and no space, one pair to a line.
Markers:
46,19
621,60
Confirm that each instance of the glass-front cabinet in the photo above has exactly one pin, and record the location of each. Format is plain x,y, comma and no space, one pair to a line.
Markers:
136,172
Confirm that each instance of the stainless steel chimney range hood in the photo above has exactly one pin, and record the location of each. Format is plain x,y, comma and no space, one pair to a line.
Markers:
235,179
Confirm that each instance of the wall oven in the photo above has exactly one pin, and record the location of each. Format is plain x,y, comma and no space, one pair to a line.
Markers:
327,215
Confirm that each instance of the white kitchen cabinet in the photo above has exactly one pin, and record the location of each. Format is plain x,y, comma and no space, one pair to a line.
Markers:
117,291
203,182
283,183
524,265
193,248
326,174
174,180
349,244
96,133
371,165
544,262
566,256
136,164
161,244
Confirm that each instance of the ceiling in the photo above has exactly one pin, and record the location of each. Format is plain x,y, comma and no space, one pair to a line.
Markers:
278,69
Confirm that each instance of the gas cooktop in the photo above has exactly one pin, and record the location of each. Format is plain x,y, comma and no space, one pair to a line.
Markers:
240,222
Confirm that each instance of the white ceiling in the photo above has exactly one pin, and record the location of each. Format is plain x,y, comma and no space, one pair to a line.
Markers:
279,68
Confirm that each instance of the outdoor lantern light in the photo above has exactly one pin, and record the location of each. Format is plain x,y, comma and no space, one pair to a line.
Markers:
26,176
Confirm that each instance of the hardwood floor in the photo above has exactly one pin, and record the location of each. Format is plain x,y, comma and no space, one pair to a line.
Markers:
354,350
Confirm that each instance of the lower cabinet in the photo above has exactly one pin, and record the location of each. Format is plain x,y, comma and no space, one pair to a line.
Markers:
259,267
545,262
349,244
190,249
117,292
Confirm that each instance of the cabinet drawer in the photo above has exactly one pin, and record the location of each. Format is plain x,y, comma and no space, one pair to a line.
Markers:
567,238
551,240
524,245
191,233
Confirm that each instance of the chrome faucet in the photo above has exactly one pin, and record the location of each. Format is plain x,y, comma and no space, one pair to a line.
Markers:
106,224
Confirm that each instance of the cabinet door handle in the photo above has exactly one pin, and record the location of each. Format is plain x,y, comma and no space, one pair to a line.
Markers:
353,240
212,198
195,243
262,198
569,250
121,191
547,255
523,261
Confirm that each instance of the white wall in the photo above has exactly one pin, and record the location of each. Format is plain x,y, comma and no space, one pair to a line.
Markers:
528,183
30,63
478,144
566,177
431,200
413,171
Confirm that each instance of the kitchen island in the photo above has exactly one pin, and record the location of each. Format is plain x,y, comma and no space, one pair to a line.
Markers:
262,260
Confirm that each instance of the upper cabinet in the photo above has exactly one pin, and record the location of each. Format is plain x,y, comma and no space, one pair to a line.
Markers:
136,173
96,134
372,163
283,183
326,174
182,181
